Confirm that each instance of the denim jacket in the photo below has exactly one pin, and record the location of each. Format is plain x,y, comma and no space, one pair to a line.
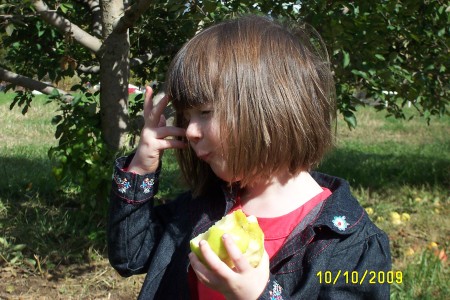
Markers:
336,252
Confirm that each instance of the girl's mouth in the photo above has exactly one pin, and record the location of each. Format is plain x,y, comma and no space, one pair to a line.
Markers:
204,156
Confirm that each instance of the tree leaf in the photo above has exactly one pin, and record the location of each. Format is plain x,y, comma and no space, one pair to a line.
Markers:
350,119
56,119
10,29
346,61
65,7
18,247
380,57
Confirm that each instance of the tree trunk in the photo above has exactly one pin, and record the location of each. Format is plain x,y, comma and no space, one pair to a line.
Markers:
114,76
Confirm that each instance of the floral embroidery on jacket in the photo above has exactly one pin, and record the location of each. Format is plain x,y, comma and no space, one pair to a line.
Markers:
340,222
147,184
122,184
275,293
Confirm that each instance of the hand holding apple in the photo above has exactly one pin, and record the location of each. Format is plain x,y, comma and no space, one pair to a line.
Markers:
237,269
245,231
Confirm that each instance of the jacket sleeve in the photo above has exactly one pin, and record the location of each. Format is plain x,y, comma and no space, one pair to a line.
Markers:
132,231
360,270
273,291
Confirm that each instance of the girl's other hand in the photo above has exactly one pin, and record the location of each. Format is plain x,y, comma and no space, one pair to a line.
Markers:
241,282
153,136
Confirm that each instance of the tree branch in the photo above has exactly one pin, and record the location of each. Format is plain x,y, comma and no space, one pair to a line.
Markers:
132,14
31,84
66,27
88,69
14,19
94,7
136,61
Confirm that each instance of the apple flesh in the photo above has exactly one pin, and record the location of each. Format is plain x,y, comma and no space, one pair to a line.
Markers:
245,232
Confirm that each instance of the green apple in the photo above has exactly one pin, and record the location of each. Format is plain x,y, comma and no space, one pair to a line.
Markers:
246,234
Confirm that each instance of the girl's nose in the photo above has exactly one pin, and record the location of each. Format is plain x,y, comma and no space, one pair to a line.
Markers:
193,132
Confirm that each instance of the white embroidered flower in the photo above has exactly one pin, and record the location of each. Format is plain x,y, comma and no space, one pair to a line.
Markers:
340,222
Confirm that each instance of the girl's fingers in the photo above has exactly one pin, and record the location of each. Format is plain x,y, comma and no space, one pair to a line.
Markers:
215,264
202,272
166,131
171,144
153,113
265,261
156,113
148,102
240,262
162,121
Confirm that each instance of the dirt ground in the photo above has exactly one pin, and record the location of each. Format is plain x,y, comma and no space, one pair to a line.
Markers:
90,281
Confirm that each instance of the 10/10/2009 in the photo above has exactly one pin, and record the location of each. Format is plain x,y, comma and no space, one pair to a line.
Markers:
357,277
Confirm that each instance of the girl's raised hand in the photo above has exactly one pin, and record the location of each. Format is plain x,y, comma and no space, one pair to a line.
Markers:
153,136
243,282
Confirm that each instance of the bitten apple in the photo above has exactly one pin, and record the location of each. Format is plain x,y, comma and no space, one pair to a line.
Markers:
246,234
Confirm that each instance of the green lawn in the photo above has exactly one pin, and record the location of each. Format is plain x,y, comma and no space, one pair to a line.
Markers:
399,170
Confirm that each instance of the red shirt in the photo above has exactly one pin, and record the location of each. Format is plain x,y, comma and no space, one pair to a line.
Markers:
276,230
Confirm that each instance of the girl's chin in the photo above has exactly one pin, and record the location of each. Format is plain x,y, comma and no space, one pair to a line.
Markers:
221,170
224,175
226,178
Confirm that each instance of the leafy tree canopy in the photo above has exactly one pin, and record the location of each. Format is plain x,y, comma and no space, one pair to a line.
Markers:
399,47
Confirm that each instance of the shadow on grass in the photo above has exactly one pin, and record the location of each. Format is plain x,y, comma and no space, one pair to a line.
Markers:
376,171
40,222
21,175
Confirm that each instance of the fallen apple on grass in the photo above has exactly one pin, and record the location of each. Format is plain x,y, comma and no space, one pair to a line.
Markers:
245,232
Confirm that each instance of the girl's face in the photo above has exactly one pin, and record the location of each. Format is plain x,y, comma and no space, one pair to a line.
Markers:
203,133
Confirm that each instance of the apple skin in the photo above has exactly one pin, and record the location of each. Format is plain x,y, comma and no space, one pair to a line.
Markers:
245,232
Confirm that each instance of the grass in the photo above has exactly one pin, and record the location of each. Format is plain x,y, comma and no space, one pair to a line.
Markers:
25,142
399,170
425,278
402,168
48,246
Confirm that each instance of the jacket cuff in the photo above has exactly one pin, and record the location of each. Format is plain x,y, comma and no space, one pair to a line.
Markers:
273,291
131,187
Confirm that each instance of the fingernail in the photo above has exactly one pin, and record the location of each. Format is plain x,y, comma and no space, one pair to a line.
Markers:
225,236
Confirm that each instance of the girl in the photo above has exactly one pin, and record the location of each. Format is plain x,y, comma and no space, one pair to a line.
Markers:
254,113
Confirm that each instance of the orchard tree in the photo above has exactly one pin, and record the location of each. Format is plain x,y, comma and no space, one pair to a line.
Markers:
392,52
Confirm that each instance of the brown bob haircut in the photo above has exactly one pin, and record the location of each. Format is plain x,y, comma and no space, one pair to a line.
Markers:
271,89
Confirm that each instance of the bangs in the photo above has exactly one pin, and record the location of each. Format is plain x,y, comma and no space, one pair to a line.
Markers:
193,75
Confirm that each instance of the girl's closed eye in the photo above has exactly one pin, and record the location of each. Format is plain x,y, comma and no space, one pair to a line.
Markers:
197,113
206,112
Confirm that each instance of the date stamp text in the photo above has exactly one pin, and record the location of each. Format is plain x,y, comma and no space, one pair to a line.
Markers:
356,277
